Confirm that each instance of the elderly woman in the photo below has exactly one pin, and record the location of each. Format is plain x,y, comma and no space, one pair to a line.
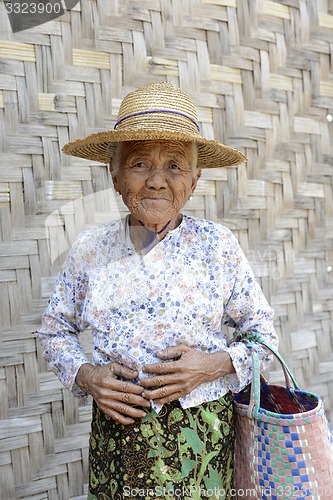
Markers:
156,288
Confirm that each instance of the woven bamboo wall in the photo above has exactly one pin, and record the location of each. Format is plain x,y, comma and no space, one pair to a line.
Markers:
260,73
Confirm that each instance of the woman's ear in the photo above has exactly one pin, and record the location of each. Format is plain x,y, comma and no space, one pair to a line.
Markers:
114,177
195,179
110,166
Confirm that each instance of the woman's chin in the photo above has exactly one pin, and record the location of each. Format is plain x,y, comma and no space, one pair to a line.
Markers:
157,216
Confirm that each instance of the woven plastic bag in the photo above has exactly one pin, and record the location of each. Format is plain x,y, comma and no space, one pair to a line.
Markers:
284,446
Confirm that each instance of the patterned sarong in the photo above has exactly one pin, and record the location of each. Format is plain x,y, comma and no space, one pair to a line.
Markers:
185,454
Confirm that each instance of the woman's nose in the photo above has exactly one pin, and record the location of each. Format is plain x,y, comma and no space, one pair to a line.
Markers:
157,179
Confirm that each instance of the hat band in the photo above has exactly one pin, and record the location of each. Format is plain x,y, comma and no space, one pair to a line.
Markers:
149,111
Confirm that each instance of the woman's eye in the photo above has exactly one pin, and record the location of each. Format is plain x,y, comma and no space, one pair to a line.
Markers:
174,166
140,165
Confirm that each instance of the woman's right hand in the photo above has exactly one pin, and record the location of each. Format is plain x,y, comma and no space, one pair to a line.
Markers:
113,396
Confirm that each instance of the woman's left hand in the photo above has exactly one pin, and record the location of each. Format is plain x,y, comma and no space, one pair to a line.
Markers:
183,369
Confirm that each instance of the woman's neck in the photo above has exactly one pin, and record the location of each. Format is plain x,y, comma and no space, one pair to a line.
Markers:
146,236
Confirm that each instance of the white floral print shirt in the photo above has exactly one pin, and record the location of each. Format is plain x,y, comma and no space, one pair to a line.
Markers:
184,290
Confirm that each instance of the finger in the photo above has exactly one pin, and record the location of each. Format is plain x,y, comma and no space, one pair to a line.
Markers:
122,419
160,381
162,368
121,406
120,386
124,415
129,398
173,352
123,371
168,399
164,394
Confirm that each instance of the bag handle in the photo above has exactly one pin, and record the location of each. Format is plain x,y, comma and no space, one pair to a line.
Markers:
291,384
252,341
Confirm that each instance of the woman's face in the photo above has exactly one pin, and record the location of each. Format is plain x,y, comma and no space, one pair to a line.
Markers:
155,178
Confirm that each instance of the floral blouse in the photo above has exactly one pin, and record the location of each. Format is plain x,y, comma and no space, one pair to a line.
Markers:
184,290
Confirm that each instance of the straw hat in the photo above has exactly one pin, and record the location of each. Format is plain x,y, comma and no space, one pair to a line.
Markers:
157,111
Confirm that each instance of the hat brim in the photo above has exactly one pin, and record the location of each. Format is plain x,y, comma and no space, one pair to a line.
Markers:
99,146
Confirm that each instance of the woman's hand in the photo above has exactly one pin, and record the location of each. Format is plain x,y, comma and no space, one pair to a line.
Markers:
113,396
174,379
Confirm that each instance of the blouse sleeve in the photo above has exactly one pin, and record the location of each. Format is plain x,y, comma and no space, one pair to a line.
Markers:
62,323
246,309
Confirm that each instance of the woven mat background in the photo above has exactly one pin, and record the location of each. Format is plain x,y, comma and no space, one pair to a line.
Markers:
260,73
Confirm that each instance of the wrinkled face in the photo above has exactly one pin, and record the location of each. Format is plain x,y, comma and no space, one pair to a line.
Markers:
155,178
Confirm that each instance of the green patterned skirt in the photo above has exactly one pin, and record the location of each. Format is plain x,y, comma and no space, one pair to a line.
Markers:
179,453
